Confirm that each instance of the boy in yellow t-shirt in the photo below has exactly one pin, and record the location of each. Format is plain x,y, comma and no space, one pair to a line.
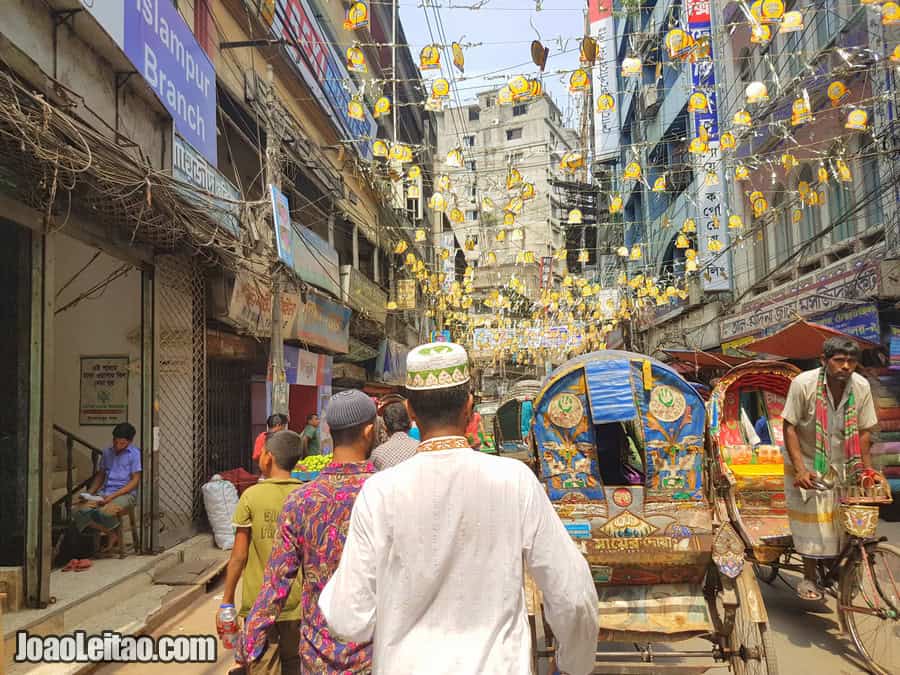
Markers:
255,520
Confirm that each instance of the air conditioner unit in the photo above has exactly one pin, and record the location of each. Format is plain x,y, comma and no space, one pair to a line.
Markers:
495,122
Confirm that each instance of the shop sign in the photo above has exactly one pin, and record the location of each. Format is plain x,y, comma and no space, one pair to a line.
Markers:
104,390
811,295
733,348
320,68
406,294
315,260
222,345
391,364
306,368
349,371
359,351
160,45
363,295
284,232
221,203
321,322
250,307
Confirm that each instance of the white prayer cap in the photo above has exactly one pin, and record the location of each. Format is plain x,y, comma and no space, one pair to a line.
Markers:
437,365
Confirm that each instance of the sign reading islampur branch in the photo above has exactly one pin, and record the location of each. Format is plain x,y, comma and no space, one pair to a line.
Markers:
162,48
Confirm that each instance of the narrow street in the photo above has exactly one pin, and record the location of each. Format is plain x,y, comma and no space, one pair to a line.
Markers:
807,637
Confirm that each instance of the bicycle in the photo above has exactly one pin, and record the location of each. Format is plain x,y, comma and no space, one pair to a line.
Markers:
864,579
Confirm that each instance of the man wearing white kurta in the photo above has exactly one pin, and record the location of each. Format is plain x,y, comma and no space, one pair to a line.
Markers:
432,569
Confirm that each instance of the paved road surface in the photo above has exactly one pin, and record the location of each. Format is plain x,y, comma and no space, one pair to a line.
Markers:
807,638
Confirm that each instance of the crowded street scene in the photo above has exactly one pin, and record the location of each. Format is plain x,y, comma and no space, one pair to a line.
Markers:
450,337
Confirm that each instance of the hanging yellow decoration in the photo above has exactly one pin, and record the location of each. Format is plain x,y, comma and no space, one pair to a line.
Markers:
527,192
689,226
445,253
400,153
410,259
380,148
633,171
440,88
727,141
355,109
571,161
457,216
357,16
401,247
504,96
622,251
469,244
517,234
857,120
678,43
455,158
659,185
890,13
712,178
760,34
519,87
413,192
491,258
803,188
895,55
792,22
698,102
735,222
702,49
632,67
742,119
759,204
509,219
714,245
837,91
756,92
501,235
800,111
560,254
681,241
513,178
459,59
514,205
690,266
430,58
635,252
444,183
382,106
788,161
605,103
420,234
578,81
437,202
698,146
414,172
487,204
615,204
843,171
575,217
772,11
356,62
741,172
535,88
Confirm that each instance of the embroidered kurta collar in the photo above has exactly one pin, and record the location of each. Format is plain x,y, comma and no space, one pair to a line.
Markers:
336,468
443,443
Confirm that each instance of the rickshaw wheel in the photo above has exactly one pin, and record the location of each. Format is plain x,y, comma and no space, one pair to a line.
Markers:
749,644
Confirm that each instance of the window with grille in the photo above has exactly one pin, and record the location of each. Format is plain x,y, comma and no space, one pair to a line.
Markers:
470,165
520,110
514,134
469,141
474,114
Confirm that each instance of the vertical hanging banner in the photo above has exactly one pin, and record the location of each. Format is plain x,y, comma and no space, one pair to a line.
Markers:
708,168
606,123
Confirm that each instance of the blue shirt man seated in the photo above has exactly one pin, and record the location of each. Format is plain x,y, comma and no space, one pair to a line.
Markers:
116,483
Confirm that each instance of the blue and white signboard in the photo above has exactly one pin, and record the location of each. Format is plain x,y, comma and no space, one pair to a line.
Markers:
284,233
190,166
162,48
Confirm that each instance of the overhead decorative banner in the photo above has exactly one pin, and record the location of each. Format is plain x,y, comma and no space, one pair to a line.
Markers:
190,166
104,390
406,294
311,52
711,217
160,45
603,30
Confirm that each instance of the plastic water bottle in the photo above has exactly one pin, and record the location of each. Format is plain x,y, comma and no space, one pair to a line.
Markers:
226,625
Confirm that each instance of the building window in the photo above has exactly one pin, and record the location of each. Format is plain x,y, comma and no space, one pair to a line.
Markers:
471,215
473,191
469,141
470,165
811,218
514,134
515,157
474,114
520,110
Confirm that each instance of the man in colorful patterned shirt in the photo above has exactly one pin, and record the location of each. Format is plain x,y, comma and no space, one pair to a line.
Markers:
311,533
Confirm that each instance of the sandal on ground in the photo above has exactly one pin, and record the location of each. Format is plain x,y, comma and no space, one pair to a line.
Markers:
807,590
82,565
71,565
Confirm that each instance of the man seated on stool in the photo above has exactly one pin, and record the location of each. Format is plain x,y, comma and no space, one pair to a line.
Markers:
119,475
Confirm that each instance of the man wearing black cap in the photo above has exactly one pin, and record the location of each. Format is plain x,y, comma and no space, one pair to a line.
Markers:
311,533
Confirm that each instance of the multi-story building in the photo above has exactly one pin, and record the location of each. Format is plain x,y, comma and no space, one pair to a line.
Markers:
141,252
495,140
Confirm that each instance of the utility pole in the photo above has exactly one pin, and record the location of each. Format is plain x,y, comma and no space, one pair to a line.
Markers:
279,401
394,102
